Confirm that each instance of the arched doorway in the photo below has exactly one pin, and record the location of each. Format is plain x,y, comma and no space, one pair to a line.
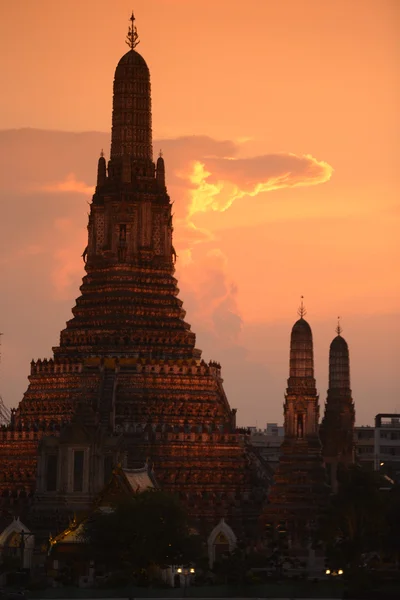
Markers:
16,541
221,546
221,541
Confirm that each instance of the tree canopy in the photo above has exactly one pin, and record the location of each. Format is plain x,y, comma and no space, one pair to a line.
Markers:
150,528
355,522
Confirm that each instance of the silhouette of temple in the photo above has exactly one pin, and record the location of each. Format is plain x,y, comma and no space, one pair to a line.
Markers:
127,387
337,427
128,354
299,489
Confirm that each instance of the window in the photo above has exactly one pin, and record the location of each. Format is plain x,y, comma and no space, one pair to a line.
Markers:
392,450
366,434
365,450
51,472
78,470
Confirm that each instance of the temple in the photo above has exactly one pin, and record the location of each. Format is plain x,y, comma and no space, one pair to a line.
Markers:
129,356
298,492
337,427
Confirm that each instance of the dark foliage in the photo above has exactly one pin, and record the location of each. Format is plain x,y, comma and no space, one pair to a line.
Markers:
355,523
392,534
150,528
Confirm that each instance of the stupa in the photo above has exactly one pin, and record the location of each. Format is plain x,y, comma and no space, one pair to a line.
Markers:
127,351
337,427
299,490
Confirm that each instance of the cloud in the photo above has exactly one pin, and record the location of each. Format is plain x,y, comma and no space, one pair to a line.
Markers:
206,175
218,182
203,175
211,177
211,295
69,184
67,261
236,282
66,269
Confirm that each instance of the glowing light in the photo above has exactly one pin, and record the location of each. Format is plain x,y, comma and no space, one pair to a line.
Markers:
222,193
328,572
203,197
192,570
179,570
340,572
216,183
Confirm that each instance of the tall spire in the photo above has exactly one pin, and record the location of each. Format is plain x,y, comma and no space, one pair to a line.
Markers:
101,171
299,489
131,137
301,352
160,171
132,38
337,426
129,285
339,364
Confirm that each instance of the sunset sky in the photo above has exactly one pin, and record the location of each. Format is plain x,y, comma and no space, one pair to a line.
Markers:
279,124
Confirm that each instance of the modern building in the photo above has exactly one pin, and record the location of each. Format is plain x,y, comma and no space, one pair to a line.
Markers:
364,442
378,448
268,443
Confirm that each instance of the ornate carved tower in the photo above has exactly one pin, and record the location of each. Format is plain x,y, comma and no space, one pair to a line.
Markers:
127,351
337,427
299,488
129,305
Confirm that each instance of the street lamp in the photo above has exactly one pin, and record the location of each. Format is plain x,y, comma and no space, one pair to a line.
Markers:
186,572
334,572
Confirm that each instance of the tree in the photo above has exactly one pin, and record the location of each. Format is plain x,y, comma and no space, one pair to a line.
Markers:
392,537
355,521
150,528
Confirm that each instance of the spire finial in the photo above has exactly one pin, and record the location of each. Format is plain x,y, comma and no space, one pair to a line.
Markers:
102,153
338,328
132,39
302,309
160,154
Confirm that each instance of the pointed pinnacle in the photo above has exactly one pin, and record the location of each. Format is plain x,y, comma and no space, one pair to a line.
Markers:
338,328
301,311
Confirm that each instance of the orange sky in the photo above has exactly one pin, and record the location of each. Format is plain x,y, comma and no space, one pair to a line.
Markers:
306,90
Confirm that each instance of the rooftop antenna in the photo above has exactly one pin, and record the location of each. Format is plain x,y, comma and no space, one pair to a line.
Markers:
132,39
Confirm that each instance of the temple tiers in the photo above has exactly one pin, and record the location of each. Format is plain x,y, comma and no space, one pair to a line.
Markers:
129,305
127,351
299,490
337,427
